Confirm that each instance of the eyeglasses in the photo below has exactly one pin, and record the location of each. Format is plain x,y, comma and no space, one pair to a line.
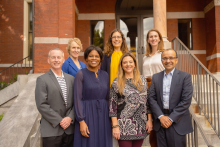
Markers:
118,37
54,58
166,59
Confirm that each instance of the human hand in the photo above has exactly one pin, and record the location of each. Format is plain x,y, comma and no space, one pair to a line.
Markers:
116,133
65,122
149,126
84,129
165,121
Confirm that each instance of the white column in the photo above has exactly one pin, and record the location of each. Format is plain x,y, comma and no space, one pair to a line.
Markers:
160,20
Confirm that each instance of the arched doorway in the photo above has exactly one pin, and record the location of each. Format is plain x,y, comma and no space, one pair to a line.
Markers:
135,19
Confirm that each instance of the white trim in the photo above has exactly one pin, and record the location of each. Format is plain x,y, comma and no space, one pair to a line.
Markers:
217,2
63,40
19,65
76,10
198,51
96,16
46,40
195,52
81,54
176,15
217,55
49,40
209,7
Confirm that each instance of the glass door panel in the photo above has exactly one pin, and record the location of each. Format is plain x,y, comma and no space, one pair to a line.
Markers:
128,26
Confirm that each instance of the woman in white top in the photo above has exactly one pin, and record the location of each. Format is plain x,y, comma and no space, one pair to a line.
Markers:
152,64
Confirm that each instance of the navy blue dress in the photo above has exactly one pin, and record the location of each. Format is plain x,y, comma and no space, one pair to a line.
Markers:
91,96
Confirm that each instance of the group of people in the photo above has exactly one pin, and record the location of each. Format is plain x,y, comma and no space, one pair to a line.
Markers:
108,99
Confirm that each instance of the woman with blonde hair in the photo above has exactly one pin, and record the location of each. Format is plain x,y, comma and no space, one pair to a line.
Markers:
115,47
152,64
129,110
72,65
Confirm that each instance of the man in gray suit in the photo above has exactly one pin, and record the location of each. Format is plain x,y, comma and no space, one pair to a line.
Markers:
169,99
54,100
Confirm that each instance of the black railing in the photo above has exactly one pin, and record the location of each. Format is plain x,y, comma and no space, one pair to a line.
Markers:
205,85
9,75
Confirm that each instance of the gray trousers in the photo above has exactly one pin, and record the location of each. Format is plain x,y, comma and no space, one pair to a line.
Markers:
170,138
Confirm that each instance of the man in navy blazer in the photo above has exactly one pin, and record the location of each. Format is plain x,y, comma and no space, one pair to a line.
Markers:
169,99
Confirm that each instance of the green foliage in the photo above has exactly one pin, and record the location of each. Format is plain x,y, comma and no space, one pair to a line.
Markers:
1,116
3,85
99,39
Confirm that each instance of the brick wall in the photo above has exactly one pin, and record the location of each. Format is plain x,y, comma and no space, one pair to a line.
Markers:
109,27
11,31
198,34
185,5
53,18
96,6
172,29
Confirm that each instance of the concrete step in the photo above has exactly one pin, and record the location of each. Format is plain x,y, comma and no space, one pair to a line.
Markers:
210,133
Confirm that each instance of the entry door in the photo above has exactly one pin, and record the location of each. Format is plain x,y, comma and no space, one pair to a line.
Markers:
135,28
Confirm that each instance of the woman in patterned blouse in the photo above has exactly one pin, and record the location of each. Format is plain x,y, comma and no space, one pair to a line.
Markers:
129,110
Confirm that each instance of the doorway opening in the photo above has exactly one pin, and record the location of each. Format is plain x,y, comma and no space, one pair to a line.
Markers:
135,19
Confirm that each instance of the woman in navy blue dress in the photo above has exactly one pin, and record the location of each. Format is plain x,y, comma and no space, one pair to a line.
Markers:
91,94
72,65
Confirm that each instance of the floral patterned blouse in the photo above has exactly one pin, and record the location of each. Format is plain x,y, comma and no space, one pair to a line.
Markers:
131,109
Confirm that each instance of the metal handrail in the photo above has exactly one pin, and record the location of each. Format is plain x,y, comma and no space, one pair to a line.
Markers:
205,85
192,138
9,75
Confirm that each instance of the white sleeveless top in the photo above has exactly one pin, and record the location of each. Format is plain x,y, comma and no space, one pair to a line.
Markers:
152,64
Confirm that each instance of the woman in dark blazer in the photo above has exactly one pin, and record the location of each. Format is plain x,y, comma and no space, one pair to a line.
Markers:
72,65
114,48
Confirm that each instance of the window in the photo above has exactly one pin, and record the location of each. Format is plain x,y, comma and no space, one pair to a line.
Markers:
30,50
185,32
97,33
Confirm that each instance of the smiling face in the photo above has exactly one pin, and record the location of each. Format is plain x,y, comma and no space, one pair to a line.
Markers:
128,64
116,40
169,60
74,50
153,38
56,59
93,59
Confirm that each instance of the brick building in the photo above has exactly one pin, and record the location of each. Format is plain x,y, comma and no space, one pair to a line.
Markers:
195,22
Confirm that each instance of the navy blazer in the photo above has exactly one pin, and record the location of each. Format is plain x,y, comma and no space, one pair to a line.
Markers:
181,91
106,63
70,67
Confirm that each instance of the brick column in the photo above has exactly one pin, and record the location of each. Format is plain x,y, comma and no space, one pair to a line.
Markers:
212,20
54,25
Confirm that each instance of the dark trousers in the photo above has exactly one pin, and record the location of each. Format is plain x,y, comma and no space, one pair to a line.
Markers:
130,143
58,141
170,138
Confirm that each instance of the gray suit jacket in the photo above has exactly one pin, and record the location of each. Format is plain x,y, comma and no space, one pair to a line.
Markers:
181,91
50,103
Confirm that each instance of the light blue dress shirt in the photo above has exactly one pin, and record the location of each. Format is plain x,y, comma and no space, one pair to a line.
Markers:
166,89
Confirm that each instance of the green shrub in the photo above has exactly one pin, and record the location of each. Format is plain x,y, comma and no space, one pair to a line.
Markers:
1,116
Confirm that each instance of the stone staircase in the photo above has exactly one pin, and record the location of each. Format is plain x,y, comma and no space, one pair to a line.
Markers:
210,133
21,121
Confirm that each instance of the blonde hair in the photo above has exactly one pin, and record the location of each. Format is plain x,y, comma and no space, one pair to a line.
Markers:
109,48
77,40
136,80
160,44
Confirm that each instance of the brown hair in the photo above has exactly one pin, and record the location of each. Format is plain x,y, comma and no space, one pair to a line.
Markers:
121,75
160,44
77,40
109,48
